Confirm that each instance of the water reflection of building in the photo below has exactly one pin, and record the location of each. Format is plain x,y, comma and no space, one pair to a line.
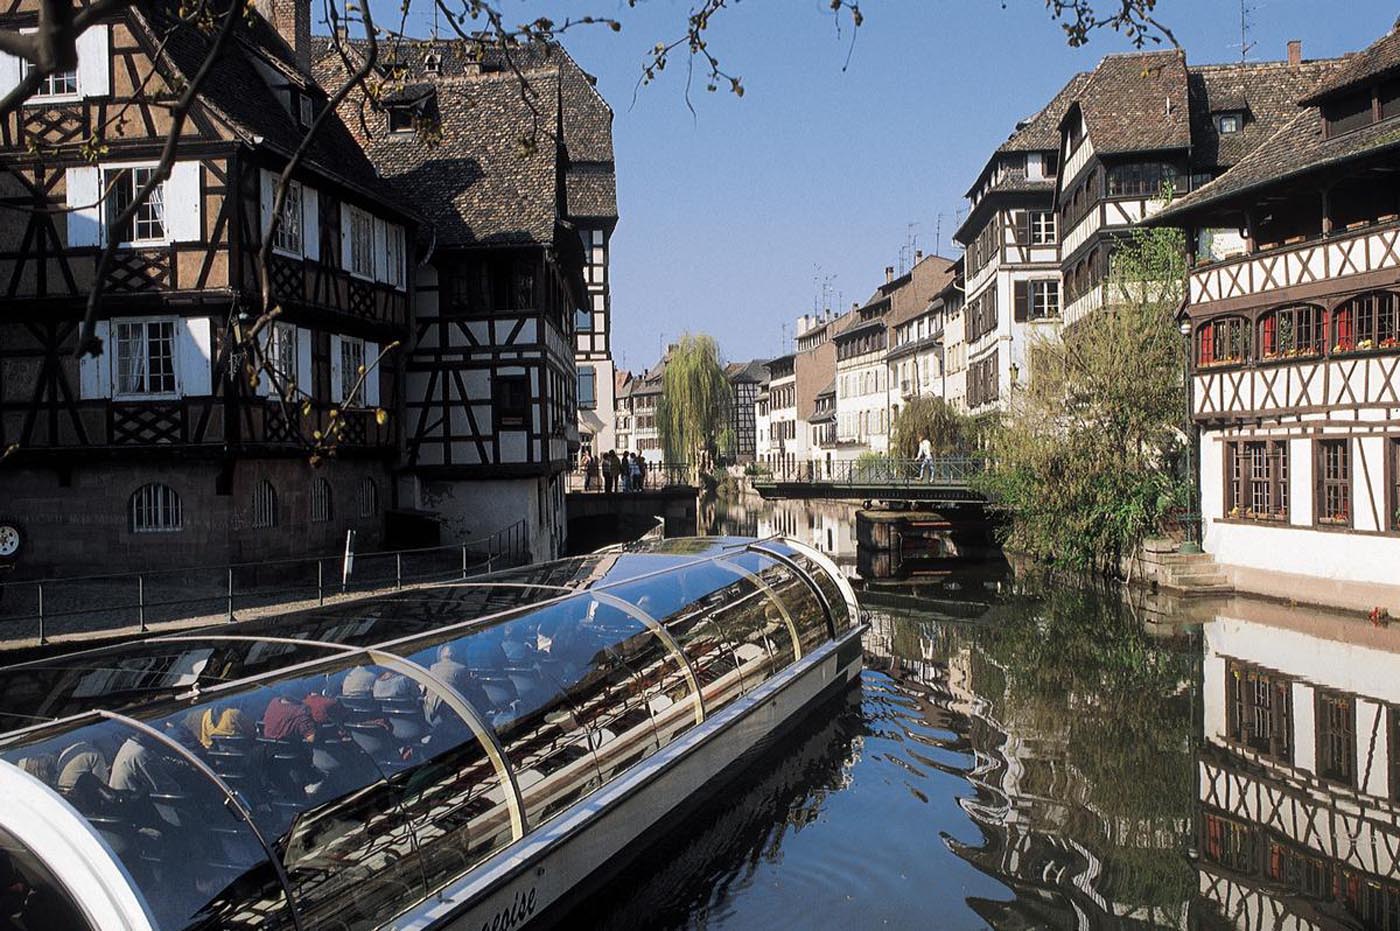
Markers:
1077,849
1298,820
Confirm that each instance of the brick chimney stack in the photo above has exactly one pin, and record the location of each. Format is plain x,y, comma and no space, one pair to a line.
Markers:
889,273
1295,52
292,20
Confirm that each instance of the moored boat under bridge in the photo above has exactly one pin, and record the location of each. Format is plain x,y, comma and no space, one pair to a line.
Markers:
942,480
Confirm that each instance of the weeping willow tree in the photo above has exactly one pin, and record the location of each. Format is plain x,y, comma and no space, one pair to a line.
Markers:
694,407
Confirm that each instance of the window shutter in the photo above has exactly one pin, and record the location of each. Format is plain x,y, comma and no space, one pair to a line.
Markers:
95,372
196,354
1023,227
310,224
381,251
268,184
305,383
344,236
371,394
94,57
84,222
184,222
9,72
337,387
1022,310
1207,345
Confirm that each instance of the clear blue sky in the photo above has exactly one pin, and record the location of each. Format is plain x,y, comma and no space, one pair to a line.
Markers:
730,215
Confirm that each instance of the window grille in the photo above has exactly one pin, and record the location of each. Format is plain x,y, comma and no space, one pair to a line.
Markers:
1288,332
264,505
156,508
369,497
1334,498
352,360
1366,322
147,224
320,501
361,243
289,228
58,84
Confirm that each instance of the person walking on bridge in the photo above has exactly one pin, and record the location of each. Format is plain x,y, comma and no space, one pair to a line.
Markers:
925,459
609,470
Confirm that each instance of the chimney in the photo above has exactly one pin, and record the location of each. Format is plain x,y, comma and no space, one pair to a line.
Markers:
1295,52
292,20
918,256
889,273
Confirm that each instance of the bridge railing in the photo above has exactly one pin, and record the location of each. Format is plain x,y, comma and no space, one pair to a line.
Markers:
939,470
658,475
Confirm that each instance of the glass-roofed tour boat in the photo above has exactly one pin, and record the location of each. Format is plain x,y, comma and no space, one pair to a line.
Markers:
458,756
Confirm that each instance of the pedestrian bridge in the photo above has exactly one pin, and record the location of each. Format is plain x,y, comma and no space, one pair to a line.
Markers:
945,480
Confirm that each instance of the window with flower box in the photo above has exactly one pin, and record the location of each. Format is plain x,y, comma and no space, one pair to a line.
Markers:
1292,332
1223,341
1260,708
1336,736
1258,486
1333,482
1367,321
1229,843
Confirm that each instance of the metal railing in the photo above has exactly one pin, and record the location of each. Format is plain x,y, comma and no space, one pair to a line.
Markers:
657,476
940,470
39,611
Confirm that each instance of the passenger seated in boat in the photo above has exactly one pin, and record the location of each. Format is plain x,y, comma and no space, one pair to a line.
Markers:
358,683
43,767
323,708
79,758
394,685
218,721
136,769
288,718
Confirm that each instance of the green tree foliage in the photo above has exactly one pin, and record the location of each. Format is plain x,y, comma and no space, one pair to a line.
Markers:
1086,462
947,430
694,404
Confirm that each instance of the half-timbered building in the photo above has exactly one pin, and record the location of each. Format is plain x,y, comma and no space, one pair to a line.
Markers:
1293,298
502,152
744,379
1012,257
164,438
1144,124
1298,818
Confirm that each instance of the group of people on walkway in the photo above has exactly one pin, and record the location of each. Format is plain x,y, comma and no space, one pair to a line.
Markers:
625,472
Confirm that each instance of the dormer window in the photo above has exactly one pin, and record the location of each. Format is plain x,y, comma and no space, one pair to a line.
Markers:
433,63
1229,122
306,113
400,119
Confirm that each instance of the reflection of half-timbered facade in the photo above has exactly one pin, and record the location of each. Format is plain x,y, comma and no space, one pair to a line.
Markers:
1144,123
1012,258
163,438
490,407
1293,301
1299,814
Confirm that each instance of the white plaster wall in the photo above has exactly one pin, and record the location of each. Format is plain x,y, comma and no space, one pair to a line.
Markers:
1304,728
473,509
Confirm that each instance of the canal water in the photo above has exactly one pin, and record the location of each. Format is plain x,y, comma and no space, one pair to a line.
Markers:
1025,755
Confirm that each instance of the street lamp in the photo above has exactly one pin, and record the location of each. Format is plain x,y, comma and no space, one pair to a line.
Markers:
1192,543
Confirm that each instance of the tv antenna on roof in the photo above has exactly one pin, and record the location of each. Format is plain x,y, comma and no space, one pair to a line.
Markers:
906,251
1246,9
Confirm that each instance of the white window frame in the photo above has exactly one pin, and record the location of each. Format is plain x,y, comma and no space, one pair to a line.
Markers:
350,347
1039,297
159,501
42,96
361,251
290,239
1044,230
1233,116
117,343
157,199
281,354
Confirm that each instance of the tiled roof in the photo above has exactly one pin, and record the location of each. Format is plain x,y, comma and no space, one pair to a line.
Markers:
1042,131
927,279
235,92
479,183
1296,149
1266,92
1381,57
1137,102
590,183
755,370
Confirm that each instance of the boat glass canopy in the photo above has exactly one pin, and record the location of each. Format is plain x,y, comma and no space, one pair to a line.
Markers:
331,767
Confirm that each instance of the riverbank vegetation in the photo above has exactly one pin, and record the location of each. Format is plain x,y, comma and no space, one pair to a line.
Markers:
1087,461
